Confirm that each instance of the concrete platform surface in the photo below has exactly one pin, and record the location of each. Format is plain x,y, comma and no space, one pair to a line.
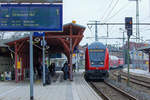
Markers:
58,90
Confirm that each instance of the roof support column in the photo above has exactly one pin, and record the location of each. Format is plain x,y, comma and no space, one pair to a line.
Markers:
16,60
22,69
149,61
70,71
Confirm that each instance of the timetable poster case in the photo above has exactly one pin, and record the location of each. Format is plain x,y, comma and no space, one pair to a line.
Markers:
31,17
31,1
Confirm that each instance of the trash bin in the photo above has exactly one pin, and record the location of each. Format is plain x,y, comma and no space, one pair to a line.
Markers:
2,77
9,75
6,76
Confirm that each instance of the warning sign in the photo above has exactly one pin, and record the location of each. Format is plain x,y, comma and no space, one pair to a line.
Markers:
18,64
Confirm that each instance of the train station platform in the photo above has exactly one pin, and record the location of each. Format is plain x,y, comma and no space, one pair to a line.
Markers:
78,89
138,72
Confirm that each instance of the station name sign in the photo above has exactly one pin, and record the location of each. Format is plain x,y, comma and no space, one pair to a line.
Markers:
30,1
31,17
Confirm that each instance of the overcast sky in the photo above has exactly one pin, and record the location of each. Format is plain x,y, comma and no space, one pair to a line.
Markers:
106,11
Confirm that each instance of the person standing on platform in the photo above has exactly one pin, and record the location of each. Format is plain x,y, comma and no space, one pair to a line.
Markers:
74,67
65,69
47,75
53,69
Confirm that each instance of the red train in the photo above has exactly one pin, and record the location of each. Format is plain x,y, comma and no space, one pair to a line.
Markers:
115,62
96,61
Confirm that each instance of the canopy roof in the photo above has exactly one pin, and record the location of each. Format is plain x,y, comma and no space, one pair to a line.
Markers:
57,41
145,49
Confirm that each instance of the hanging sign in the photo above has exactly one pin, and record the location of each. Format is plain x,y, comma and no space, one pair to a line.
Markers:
30,1
31,17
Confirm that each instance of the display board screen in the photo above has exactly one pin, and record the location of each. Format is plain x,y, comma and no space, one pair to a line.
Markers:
96,50
30,17
31,1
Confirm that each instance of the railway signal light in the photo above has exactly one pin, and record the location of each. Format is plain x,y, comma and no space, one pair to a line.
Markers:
128,25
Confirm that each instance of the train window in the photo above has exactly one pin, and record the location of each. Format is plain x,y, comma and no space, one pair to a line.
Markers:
97,56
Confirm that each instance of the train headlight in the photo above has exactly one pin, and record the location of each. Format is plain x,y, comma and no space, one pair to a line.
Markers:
92,62
101,62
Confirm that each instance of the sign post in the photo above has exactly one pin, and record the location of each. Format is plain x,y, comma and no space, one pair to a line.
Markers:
31,68
128,27
44,83
43,43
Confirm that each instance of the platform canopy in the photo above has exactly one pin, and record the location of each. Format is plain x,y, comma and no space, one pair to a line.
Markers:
145,49
57,42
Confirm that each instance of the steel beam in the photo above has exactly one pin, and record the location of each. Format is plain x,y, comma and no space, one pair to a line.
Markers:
118,24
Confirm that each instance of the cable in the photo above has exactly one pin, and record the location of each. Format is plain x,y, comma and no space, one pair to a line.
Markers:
117,11
112,9
107,9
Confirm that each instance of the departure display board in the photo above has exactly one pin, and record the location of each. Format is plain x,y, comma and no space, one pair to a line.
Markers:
96,50
31,1
30,17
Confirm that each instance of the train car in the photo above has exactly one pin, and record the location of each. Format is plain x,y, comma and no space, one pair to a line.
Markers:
96,61
115,62
121,62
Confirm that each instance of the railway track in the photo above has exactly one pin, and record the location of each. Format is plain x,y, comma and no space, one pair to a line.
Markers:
109,92
134,80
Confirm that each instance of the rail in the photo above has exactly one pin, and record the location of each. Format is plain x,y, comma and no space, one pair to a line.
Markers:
104,96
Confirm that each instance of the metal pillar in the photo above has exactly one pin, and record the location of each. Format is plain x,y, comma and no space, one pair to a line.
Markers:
96,36
22,71
71,76
128,80
107,31
123,51
16,60
149,62
137,20
31,68
43,43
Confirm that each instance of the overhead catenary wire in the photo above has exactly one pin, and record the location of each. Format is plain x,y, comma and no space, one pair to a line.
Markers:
111,10
107,9
122,8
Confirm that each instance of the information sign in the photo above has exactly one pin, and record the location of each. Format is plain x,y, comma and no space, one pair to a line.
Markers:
31,17
38,34
31,1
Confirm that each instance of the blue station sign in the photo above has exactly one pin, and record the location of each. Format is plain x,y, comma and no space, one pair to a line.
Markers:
31,17
31,1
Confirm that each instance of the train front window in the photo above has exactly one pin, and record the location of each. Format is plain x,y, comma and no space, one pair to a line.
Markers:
97,57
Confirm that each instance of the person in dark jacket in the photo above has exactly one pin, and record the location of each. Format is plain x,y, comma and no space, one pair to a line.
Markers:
65,69
39,70
74,67
47,75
